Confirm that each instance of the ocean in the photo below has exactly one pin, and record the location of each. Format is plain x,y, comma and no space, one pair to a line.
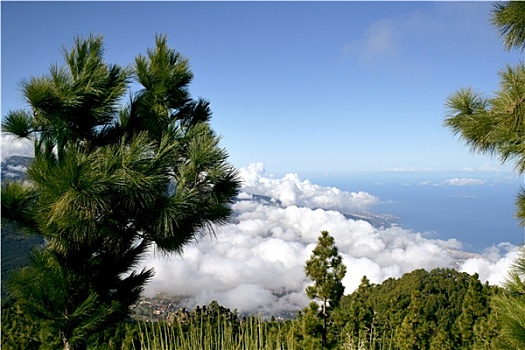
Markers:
477,209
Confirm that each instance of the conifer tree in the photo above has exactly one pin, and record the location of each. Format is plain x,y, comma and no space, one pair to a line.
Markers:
441,340
487,331
509,19
474,308
415,331
311,327
496,126
360,314
108,182
510,307
326,270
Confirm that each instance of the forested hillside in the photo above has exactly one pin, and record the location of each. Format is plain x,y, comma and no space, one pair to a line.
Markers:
440,309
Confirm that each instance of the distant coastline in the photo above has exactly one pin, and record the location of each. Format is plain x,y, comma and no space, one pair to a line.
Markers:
476,208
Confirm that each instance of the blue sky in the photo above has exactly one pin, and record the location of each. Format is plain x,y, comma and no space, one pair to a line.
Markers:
307,87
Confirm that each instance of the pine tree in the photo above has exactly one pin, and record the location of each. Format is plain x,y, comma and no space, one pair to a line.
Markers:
416,330
360,315
509,18
326,269
510,307
108,182
312,327
474,308
496,126
441,341
486,331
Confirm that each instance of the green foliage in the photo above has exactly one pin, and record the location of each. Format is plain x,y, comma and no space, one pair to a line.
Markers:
21,331
510,306
493,125
109,181
326,269
509,18
18,200
207,327
43,291
312,333
420,310
474,309
356,317
413,331
441,309
496,125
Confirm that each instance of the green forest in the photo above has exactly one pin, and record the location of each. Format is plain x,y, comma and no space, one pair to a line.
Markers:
440,309
110,181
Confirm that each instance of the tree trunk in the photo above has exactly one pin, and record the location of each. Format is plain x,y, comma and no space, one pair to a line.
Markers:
324,325
65,341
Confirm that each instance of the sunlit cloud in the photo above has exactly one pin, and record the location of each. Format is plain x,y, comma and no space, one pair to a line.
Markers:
456,181
485,168
12,146
410,169
463,182
493,264
291,190
256,262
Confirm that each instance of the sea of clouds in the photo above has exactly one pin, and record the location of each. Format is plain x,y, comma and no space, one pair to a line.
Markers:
256,262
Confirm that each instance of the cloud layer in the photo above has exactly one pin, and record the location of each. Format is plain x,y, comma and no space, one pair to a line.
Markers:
256,262
11,146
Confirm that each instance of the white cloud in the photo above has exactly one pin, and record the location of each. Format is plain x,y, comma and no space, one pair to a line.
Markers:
9,174
381,39
21,168
11,146
463,182
256,262
410,169
290,190
493,264
488,168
